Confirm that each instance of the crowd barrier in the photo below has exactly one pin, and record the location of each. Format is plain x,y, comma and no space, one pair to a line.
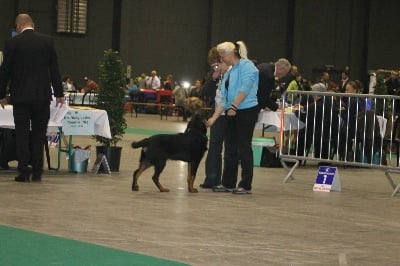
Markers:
341,129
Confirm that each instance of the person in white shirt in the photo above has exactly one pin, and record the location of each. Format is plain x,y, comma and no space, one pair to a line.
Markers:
153,82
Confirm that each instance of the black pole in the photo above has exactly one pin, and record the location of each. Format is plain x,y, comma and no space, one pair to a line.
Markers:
209,22
116,25
365,48
291,18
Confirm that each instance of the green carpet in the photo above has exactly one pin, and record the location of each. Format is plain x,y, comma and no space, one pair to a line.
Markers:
21,247
142,131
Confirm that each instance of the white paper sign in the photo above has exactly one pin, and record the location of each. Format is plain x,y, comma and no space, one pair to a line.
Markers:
57,113
327,179
78,122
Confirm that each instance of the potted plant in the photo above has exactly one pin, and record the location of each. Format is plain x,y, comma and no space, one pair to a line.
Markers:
110,98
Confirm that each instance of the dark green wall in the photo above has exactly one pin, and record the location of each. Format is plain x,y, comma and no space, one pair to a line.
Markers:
173,36
7,17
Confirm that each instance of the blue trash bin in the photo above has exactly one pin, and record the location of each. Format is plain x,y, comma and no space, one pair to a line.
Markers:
79,159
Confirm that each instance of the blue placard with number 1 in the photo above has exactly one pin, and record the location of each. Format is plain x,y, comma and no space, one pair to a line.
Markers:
327,179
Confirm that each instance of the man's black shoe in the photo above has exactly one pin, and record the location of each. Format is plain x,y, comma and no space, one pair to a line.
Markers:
37,175
22,178
36,178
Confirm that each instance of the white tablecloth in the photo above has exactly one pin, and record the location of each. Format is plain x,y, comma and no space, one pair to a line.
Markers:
100,118
272,120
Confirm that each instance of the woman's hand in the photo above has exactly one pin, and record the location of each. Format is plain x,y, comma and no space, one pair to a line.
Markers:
231,112
210,122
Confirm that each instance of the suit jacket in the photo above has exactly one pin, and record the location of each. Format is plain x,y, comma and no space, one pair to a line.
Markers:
30,64
343,86
266,85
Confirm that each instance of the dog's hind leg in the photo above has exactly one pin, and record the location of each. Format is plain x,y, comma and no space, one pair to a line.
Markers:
158,167
191,177
144,164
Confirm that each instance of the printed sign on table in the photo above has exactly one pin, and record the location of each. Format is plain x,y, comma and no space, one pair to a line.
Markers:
78,122
327,179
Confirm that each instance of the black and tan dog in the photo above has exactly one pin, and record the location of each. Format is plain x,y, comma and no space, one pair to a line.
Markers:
189,147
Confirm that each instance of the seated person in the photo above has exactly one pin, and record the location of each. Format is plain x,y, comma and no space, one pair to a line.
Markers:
323,134
368,138
141,81
90,86
295,85
195,91
68,85
352,107
132,89
180,96
169,83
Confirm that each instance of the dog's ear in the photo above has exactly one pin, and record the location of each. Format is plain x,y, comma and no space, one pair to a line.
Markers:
193,104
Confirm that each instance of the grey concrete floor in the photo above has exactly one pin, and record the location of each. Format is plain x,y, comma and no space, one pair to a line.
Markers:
279,224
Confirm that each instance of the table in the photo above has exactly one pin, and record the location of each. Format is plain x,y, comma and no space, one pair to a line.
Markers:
147,95
101,125
100,119
271,121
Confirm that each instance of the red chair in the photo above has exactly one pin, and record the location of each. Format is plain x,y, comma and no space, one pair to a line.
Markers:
165,97
166,101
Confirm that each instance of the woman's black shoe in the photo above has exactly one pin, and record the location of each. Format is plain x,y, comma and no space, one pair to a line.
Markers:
205,186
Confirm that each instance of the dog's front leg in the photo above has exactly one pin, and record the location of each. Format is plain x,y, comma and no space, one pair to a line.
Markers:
190,179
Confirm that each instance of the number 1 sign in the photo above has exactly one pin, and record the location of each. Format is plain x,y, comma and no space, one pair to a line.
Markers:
327,179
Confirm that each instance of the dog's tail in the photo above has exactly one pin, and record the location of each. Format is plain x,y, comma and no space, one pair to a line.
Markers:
140,143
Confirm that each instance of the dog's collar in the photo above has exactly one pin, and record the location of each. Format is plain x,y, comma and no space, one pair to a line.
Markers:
189,130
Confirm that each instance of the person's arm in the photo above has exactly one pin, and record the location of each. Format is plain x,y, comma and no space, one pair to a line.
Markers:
218,110
247,76
55,77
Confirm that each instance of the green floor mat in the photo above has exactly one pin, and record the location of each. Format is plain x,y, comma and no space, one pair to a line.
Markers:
22,247
150,132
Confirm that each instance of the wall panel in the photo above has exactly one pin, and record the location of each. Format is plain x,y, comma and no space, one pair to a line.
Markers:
173,36
384,32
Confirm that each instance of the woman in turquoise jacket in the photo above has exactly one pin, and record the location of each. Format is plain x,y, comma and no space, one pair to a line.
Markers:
239,102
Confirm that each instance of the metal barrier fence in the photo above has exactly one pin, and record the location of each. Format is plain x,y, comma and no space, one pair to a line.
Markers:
341,129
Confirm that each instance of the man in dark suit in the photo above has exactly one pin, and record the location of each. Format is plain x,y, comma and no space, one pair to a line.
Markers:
30,65
267,84
345,79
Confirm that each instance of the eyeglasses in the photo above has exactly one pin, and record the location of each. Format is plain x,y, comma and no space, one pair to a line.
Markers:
215,66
